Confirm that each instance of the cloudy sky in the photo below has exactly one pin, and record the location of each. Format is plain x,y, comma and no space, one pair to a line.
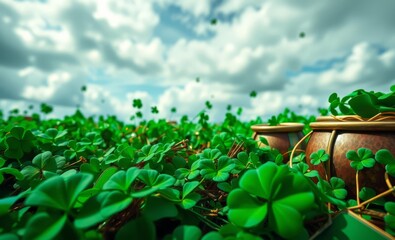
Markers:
168,54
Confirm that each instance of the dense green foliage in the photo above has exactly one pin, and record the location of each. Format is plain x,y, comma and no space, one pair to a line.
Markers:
81,178
364,103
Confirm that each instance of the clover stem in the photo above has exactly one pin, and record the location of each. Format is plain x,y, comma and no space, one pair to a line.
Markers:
357,187
373,199
296,146
207,221
19,161
205,209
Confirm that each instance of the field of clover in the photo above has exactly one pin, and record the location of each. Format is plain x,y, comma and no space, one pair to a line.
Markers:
85,178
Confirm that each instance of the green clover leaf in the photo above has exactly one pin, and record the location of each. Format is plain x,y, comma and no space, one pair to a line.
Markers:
217,173
361,159
384,156
273,193
154,182
59,192
389,219
18,142
319,157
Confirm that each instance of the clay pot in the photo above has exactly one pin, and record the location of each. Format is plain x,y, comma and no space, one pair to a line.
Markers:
282,137
341,134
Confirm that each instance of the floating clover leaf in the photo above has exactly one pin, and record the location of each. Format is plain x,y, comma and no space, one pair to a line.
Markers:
319,157
137,103
361,159
209,105
154,110
273,193
384,156
18,142
218,173
59,192
253,94
45,108
389,219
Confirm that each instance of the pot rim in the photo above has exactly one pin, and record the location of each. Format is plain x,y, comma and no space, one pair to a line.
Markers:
282,127
354,125
355,118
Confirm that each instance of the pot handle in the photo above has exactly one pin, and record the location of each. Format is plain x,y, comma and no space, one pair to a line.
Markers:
296,146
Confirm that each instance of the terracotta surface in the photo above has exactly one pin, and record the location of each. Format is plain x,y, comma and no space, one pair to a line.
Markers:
352,140
281,138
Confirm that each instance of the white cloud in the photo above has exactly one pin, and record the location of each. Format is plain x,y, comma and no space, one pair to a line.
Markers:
55,82
135,16
145,55
365,64
195,8
254,46
235,6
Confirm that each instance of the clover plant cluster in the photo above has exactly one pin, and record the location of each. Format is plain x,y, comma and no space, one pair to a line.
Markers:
86,178
364,103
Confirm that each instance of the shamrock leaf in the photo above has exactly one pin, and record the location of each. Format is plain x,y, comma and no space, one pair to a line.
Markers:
154,182
59,192
274,194
319,157
218,173
122,180
137,103
304,169
189,198
9,170
333,189
44,226
361,159
389,219
384,156
18,142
